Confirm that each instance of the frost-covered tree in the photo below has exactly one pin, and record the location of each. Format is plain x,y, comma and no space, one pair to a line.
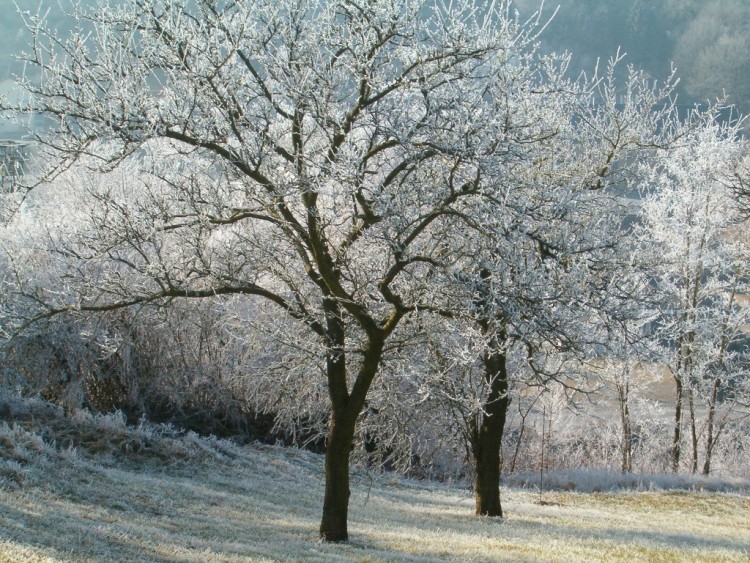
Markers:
558,277
312,155
532,286
701,272
625,373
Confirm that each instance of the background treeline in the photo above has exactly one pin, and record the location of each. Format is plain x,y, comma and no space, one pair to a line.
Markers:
189,365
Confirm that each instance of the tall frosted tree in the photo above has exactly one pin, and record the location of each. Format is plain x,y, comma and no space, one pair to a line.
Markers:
309,154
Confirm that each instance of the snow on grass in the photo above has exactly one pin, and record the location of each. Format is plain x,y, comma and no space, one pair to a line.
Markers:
597,481
213,501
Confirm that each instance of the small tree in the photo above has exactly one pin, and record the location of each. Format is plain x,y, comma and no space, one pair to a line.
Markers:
627,369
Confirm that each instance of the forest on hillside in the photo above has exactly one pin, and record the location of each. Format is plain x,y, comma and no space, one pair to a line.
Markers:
707,41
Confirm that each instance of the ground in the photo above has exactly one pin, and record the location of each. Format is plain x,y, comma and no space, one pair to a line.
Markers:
117,494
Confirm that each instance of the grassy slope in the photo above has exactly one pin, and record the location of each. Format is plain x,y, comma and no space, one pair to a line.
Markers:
197,500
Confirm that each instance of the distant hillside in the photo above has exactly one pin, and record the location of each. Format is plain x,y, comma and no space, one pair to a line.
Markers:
707,40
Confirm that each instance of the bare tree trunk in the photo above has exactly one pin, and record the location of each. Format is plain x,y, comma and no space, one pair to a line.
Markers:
684,363
684,356
693,431
333,526
488,433
623,391
677,436
712,434
345,409
710,438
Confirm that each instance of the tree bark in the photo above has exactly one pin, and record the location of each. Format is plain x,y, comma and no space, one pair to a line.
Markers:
693,431
345,409
677,436
713,433
710,438
488,433
333,526
623,391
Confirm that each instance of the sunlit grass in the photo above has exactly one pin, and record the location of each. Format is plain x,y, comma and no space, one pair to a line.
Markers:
260,503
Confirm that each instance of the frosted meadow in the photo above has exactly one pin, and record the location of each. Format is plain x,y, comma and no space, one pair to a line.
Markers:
91,488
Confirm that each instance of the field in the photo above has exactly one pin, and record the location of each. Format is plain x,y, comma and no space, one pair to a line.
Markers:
91,489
